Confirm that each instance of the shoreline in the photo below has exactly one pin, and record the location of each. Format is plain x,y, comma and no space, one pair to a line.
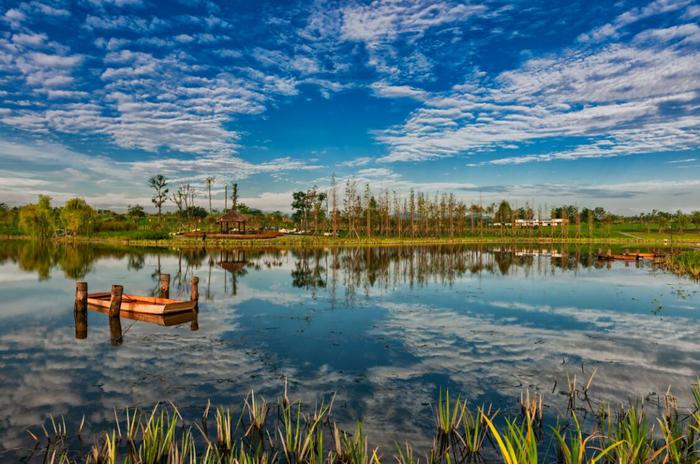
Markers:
330,242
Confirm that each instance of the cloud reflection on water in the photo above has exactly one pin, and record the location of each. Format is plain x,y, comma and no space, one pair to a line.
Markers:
384,328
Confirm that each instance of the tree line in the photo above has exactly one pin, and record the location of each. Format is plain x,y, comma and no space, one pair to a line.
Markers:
349,210
357,211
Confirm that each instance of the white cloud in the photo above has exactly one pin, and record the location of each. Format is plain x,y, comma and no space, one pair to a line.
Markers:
386,19
62,173
614,29
361,161
626,99
383,89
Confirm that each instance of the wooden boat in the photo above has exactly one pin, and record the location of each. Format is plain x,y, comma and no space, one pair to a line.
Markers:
648,255
617,257
143,304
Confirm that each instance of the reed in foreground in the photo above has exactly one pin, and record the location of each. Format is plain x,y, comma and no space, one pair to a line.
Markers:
288,432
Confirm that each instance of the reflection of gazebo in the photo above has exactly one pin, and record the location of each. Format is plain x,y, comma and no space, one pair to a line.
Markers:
235,263
232,217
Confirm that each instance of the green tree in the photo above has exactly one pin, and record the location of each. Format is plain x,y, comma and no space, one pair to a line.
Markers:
301,204
159,184
38,220
504,212
695,219
135,212
77,217
234,197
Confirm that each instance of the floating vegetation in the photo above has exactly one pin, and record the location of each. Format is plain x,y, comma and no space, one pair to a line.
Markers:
288,432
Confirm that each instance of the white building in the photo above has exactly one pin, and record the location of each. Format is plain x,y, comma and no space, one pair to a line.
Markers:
540,222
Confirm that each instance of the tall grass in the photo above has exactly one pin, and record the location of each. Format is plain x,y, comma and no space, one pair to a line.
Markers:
686,263
288,432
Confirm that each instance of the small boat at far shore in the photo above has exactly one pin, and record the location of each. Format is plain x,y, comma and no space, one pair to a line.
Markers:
650,255
630,256
617,257
143,304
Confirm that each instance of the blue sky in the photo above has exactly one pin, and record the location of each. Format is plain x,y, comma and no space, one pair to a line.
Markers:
577,102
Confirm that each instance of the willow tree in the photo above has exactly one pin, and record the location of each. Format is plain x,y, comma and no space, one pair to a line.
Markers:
77,217
38,220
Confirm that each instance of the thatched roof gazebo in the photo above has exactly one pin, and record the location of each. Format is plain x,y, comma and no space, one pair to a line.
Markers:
230,220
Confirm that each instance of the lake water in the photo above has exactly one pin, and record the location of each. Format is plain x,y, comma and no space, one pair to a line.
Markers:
382,328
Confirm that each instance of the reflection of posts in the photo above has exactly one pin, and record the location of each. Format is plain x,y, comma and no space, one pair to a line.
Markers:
165,285
81,324
115,330
80,310
115,304
195,292
194,325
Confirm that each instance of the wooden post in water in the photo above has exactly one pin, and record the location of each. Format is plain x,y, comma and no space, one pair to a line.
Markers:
115,302
80,310
81,294
194,296
165,285
115,330
115,305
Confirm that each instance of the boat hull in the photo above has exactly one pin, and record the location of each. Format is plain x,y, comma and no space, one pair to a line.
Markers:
143,304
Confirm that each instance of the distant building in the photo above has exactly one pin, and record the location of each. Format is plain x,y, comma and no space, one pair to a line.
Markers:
541,222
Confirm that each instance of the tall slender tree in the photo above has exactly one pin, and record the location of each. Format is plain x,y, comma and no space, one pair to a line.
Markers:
334,205
234,196
210,181
159,184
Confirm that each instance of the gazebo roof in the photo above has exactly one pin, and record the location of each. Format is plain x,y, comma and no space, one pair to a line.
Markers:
233,216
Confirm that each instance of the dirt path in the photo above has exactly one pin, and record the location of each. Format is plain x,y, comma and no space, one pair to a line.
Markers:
626,234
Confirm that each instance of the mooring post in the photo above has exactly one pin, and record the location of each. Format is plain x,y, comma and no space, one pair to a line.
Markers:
81,294
165,285
195,292
194,325
115,302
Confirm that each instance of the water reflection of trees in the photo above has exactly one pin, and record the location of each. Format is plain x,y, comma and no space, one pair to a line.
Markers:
41,257
351,269
74,260
383,268
309,272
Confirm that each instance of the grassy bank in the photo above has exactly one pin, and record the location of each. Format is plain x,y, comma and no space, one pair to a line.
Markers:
686,263
288,432
320,241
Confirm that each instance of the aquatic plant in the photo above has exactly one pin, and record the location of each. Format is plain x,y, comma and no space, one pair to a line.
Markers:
286,432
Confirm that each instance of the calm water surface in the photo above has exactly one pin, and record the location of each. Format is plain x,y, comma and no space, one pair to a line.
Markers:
382,328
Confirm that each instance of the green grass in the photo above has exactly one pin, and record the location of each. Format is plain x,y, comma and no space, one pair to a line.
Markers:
288,432
686,263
